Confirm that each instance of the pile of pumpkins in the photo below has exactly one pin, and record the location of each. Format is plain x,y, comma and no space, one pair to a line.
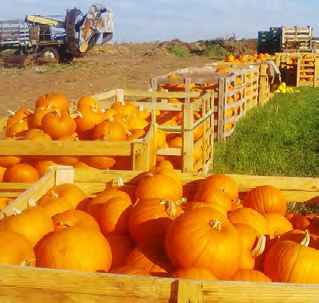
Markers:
52,120
157,226
261,57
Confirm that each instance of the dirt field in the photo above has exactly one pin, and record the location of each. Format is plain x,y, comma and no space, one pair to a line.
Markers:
117,66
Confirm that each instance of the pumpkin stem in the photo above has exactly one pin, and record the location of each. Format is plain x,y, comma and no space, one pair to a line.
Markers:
120,182
216,225
306,239
65,224
128,133
31,202
20,121
57,112
277,234
49,106
136,202
259,247
27,262
141,108
54,194
12,113
79,114
181,201
16,211
171,207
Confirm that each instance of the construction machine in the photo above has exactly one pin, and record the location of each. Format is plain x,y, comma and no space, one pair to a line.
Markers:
50,39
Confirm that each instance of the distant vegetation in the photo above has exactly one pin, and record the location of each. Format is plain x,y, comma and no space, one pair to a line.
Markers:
215,51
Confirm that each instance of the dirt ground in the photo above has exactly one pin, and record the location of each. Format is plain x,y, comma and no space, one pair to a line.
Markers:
116,66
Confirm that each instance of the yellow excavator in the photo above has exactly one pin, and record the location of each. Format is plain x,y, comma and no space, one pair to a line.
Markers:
45,38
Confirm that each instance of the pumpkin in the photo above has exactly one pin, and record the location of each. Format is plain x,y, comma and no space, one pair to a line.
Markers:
150,219
121,247
159,186
194,273
55,100
160,138
35,120
58,124
151,257
33,223
55,205
44,166
7,161
222,182
37,134
88,101
135,134
87,118
17,129
288,261
165,164
192,205
20,114
250,275
109,131
76,248
21,173
67,191
15,249
214,195
297,235
266,199
2,171
94,205
130,270
99,162
113,216
252,245
277,224
70,218
251,217
213,250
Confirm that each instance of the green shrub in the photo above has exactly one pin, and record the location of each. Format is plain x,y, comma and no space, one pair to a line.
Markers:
178,50
215,51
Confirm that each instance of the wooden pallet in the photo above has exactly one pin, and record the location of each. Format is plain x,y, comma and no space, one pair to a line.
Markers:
251,73
202,103
308,72
205,75
28,285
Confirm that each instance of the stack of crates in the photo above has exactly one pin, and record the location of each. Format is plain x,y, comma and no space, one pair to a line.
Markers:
269,41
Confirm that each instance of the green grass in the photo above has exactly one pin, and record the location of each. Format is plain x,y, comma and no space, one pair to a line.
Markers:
276,140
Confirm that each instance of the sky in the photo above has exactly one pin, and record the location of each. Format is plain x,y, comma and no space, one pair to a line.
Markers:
187,20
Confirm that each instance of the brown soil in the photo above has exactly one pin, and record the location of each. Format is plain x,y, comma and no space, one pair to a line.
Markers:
117,66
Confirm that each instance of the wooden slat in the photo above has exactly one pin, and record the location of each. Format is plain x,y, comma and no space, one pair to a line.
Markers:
245,292
29,285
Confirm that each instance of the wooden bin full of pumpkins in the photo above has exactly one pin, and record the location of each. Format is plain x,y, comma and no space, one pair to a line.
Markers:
184,124
94,236
229,93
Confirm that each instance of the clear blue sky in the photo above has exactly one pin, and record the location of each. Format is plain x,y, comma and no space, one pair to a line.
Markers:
188,20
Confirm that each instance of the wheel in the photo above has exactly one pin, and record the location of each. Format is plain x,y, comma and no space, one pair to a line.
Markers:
50,53
67,58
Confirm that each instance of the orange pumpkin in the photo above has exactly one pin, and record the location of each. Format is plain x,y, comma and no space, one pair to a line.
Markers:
15,249
20,114
7,161
99,162
113,216
35,120
21,173
76,248
266,199
58,124
277,224
121,247
44,166
4,202
70,218
37,134
152,258
213,250
109,131
33,223
55,100
150,219
250,275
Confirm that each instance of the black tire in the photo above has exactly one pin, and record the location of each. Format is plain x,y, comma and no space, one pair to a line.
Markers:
67,58
51,53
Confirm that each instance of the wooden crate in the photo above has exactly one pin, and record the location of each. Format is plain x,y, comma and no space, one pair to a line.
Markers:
296,39
251,73
139,153
28,285
194,78
202,103
294,65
